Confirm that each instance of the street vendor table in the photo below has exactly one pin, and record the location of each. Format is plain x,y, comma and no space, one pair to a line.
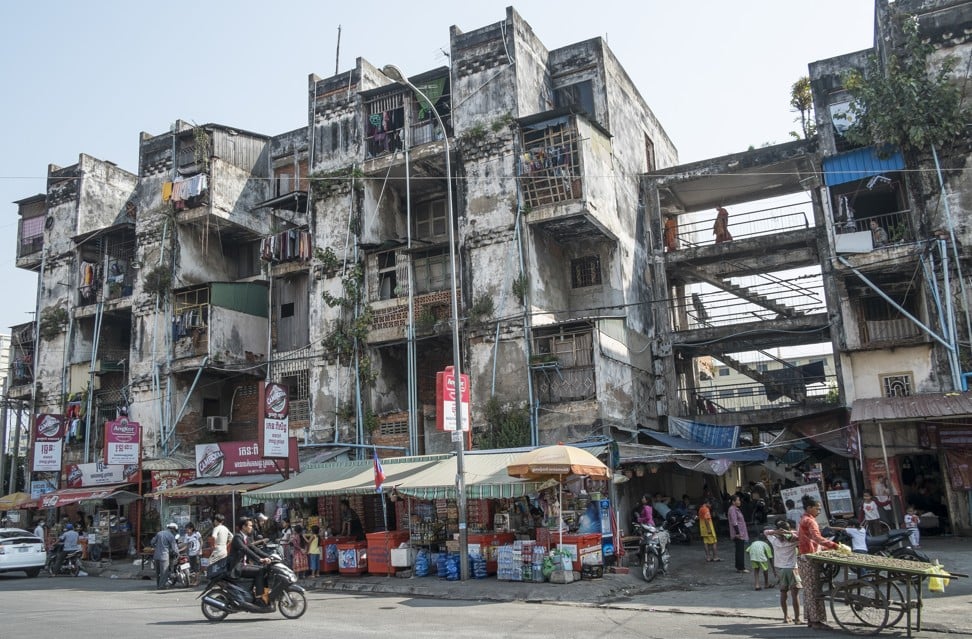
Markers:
868,593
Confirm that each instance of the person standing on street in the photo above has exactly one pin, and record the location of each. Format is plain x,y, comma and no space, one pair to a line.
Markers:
738,532
166,548
784,544
810,541
220,538
193,548
285,539
707,531
39,531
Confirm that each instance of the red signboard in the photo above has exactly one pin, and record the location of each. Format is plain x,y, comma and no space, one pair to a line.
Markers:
445,400
228,459
163,479
274,419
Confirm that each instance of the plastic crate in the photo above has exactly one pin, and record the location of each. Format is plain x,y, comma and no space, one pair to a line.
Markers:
379,547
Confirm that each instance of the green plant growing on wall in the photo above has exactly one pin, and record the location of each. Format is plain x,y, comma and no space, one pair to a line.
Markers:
501,123
481,310
520,287
506,427
201,143
473,136
328,259
158,281
901,103
801,99
370,421
326,183
53,321
425,320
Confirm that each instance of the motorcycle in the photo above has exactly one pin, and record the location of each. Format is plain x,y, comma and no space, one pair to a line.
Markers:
224,596
71,564
652,550
896,544
679,527
181,573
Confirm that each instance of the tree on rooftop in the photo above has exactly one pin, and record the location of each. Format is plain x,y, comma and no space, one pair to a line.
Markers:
801,99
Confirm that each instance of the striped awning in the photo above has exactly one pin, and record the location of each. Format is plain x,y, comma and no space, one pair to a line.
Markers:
343,478
485,477
212,486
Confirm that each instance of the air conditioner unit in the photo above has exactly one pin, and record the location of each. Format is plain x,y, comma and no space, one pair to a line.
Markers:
217,424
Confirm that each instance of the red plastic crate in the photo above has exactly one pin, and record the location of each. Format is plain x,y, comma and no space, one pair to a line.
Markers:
352,558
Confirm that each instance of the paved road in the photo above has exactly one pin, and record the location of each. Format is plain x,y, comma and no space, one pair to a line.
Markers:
92,608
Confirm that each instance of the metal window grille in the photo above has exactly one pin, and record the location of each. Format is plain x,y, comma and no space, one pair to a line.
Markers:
896,385
585,271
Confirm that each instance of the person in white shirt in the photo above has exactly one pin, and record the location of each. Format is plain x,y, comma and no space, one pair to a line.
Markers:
193,547
220,537
39,530
784,542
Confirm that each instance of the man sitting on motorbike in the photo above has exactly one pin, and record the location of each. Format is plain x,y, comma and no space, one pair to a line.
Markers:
67,543
247,561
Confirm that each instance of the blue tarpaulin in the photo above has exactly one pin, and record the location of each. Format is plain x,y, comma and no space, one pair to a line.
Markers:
688,446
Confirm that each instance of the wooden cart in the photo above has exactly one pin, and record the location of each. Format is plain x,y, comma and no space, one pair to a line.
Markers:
868,593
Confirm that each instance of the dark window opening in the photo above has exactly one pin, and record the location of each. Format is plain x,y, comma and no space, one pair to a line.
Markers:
649,154
287,310
585,271
578,96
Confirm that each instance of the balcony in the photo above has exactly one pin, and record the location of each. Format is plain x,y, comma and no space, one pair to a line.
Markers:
224,322
558,152
30,233
396,118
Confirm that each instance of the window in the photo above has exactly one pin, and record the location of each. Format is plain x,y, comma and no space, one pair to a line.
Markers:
578,97
287,310
431,272
585,271
572,348
896,385
649,154
724,372
387,275
430,220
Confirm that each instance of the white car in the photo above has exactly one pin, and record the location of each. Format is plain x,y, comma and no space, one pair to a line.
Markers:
21,551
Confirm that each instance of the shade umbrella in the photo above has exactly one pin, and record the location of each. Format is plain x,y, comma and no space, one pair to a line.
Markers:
557,462
13,501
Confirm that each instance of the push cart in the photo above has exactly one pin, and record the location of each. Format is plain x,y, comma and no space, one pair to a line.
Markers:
868,593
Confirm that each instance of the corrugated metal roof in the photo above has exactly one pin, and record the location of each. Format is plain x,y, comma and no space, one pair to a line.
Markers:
912,407
857,164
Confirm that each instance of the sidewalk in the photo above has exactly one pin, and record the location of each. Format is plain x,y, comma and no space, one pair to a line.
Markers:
692,586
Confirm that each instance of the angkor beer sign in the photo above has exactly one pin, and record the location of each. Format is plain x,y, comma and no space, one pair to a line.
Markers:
445,400
48,442
122,441
225,459
274,406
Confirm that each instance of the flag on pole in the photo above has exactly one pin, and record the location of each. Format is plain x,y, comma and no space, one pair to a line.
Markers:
379,473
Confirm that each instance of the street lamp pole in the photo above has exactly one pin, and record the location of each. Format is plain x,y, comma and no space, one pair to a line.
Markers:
395,74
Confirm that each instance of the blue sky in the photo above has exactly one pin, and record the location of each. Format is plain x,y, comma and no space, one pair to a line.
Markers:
90,77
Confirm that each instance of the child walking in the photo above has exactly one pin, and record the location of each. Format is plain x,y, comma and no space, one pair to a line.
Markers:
784,542
760,554
911,520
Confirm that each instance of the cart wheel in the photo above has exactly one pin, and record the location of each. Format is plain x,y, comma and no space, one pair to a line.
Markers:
895,598
859,607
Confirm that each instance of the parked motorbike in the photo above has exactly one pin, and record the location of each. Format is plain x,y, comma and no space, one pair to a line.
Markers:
71,565
224,596
897,544
181,574
679,527
653,553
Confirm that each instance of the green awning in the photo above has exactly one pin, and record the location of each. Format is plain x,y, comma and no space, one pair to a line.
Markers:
343,478
485,476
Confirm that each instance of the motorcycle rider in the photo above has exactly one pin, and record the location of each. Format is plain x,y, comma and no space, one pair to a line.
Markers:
166,548
68,542
246,560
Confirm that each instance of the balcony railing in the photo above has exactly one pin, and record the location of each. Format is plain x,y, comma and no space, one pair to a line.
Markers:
754,396
776,219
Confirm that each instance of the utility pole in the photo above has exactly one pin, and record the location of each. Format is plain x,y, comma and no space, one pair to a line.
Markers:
16,451
4,433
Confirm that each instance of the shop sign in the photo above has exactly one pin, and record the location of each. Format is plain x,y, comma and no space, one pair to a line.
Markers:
99,474
164,479
445,399
41,487
229,459
796,494
48,435
122,442
274,419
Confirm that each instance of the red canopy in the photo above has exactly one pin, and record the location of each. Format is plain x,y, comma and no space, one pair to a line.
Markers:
67,496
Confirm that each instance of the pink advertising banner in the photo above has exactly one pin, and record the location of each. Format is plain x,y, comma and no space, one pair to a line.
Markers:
48,443
228,459
122,442
274,419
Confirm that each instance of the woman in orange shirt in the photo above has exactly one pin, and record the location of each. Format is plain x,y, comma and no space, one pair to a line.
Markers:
810,541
